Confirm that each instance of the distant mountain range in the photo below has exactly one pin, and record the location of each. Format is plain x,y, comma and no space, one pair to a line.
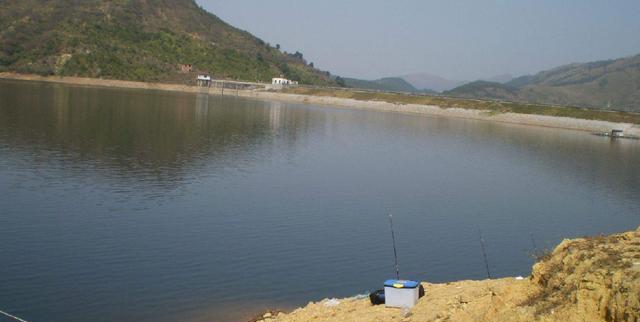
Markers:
172,40
392,84
607,84
416,83
503,78
389,84
142,40
431,82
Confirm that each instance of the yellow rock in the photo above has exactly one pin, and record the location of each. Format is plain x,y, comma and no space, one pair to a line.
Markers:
587,279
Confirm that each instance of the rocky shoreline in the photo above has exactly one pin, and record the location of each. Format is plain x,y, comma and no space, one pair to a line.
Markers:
336,102
586,279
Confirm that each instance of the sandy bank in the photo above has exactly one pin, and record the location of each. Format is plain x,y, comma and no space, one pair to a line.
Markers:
96,82
431,110
585,279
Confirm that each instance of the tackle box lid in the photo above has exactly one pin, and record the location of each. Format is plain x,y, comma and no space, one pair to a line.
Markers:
401,284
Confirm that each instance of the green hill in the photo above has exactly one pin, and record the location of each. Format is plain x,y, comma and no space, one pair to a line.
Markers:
485,89
609,84
138,40
389,84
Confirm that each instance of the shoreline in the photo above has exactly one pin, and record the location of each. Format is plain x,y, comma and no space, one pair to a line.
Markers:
337,102
593,279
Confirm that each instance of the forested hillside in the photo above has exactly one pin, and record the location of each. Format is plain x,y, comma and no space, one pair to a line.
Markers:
141,40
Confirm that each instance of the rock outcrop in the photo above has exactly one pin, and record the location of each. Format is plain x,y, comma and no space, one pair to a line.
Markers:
590,279
587,279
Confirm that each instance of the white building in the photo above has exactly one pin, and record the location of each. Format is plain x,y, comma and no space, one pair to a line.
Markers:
203,80
282,81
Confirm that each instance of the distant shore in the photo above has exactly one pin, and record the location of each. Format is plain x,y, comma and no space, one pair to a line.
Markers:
340,102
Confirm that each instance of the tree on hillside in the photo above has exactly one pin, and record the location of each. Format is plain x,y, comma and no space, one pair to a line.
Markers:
298,55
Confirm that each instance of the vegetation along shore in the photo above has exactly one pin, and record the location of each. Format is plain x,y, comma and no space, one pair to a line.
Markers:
507,112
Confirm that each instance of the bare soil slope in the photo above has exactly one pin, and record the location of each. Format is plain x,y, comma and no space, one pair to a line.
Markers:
585,279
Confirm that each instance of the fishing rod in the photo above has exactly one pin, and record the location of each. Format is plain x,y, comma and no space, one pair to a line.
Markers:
484,255
395,253
12,316
533,243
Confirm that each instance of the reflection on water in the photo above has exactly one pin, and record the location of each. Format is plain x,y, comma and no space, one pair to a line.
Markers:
152,206
158,141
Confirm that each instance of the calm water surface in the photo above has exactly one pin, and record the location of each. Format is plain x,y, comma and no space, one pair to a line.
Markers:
125,205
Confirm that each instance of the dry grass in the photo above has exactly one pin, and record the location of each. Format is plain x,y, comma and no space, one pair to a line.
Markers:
565,269
485,105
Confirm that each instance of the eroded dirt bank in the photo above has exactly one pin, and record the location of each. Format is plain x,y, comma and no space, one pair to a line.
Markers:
584,279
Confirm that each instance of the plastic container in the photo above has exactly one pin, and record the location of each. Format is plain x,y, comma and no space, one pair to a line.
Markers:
401,293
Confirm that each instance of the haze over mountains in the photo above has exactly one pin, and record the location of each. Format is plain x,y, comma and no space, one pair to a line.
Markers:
418,82
150,41
607,84
432,82
392,84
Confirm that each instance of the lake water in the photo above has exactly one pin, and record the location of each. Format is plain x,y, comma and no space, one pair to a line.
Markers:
130,205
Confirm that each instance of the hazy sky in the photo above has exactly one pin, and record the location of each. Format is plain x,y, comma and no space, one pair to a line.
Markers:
464,40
